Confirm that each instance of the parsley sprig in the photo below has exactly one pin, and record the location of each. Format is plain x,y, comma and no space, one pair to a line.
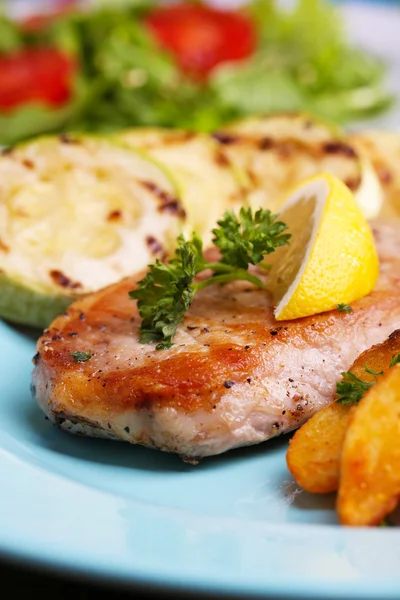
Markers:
81,356
165,294
344,308
351,389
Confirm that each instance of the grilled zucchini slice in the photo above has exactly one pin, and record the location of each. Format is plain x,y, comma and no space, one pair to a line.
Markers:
207,182
382,149
76,214
277,152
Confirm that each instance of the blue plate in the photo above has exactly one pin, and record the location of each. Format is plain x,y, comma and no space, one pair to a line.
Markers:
236,523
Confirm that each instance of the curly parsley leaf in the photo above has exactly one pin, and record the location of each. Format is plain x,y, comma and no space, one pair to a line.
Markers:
165,294
248,238
372,372
351,389
395,360
81,356
344,308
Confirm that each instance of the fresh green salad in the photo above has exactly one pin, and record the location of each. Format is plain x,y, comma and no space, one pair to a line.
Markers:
186,66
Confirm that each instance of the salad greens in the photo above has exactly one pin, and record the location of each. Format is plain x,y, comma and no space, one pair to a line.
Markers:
303,61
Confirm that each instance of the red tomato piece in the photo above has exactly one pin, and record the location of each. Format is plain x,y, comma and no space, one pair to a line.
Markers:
200,37
36,74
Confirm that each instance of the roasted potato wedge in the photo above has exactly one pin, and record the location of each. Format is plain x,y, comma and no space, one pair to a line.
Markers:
369,486
314,452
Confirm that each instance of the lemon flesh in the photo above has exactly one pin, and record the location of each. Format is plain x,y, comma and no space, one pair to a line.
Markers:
331,258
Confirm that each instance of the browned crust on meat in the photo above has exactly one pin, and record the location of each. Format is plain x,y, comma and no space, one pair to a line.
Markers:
174,378
234,376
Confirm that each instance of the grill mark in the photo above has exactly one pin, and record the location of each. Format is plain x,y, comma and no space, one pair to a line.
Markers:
224,138
29,164
385,176
285,147
3,247
62,280
221,159
67,139
155,246
169,203
266,143
115,215
178,138
338,147
353,184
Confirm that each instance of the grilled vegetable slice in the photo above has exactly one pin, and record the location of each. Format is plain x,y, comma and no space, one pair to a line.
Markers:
382,149
206,180
277,152
76,214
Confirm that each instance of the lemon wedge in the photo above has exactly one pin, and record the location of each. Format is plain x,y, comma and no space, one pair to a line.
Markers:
331,258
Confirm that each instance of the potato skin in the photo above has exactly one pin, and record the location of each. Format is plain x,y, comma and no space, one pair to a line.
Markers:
314,450
313,457
369,487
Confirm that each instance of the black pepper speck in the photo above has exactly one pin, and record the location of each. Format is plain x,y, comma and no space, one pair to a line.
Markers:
229,383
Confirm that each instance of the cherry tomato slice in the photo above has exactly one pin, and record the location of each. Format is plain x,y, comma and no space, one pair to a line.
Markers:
200,37
35,74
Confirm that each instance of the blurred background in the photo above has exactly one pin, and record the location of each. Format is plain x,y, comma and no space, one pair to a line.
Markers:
101,66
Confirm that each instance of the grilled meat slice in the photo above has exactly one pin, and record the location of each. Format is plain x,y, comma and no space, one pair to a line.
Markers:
234,376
